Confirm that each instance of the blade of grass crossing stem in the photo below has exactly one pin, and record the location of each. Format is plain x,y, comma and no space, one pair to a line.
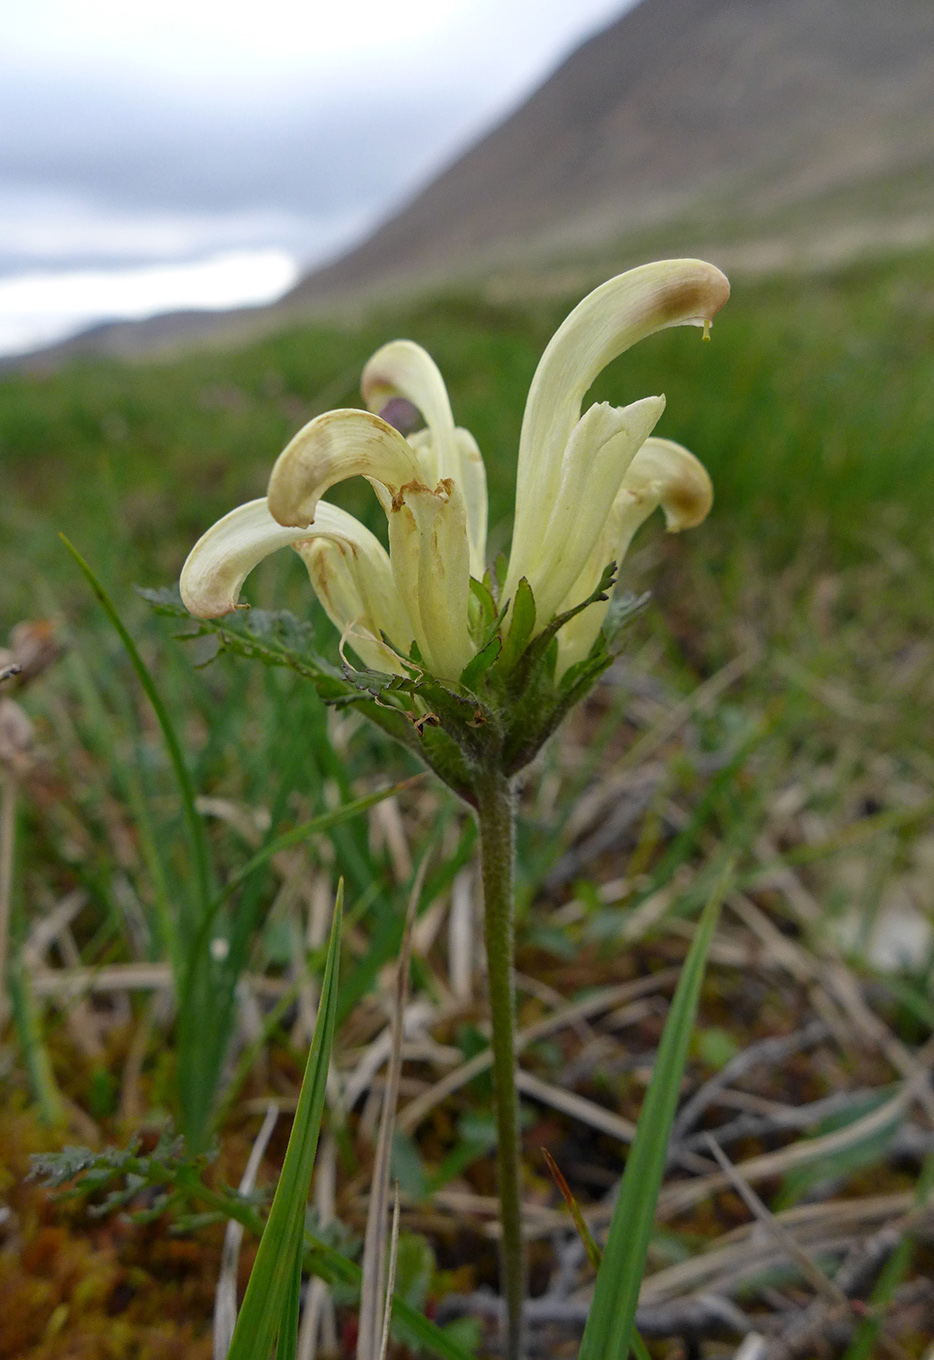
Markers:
193,821
324,822
610,1325
203,993
269,1299
391,1276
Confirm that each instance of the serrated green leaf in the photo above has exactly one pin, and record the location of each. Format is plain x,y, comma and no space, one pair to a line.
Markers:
274,637
536,663
621,611
164,599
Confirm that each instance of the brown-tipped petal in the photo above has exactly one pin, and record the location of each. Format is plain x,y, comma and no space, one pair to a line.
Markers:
223,558
611,319
331,448
665,473
404,369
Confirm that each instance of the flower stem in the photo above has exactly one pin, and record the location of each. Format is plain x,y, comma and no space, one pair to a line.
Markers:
496,820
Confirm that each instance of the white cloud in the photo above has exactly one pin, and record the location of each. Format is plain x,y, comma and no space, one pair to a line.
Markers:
205,42
53,227
164,131
39,308
243,48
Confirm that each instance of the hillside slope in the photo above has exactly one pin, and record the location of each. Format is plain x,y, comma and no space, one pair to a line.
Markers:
764,134
734,116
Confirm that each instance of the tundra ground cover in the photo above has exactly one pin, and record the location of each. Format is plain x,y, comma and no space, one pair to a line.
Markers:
774,704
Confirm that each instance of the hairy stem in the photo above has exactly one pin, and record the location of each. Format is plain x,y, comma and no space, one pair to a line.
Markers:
496,820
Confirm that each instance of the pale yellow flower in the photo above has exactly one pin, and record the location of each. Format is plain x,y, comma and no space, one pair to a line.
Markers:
585,484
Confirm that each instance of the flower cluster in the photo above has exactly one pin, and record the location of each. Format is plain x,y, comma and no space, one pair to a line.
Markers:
585,484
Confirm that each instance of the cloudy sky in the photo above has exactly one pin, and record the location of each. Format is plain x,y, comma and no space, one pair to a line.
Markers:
201,152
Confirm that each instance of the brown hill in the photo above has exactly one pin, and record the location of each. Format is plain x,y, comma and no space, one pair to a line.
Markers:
760,133
794,124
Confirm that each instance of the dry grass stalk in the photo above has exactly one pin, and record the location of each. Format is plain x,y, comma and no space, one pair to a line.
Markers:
225,1299
605,999
374,1241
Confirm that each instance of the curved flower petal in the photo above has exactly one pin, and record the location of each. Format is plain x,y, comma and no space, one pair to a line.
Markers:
221,560
331,448
599,452
403,369
470,477
359,602
607,322
431,565
663,474
667,474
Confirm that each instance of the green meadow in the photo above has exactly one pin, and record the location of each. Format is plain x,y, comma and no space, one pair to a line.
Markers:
772,713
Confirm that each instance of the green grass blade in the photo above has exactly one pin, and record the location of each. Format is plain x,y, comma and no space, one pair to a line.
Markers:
28,1024
408,1324
893,1273
193,821
609,1331
287,1343
207,991
266,1302
639,1349
325,822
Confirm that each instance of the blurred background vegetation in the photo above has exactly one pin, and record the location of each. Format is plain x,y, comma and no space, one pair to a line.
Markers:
772,710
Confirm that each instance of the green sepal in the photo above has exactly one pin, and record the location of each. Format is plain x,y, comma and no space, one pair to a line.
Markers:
536,652
483,611
498,575
444,755
521,627
481,663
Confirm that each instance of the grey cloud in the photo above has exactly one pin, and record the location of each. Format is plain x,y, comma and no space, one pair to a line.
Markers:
137,149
